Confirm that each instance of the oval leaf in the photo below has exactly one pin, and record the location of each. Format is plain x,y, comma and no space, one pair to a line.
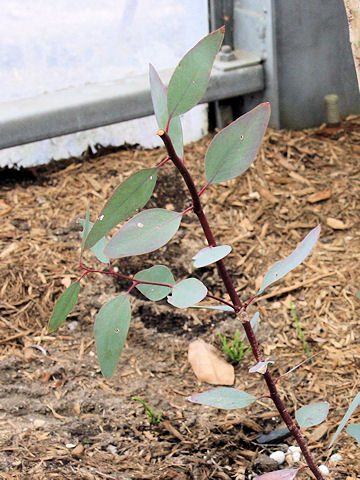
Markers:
110,329
281,268
86,228
187,292
354,431
223,308
313,414
354,404
144,233
288,474
225,398
64,306
98,248
159,101
234,148
130,195
191,77
158,274
209,255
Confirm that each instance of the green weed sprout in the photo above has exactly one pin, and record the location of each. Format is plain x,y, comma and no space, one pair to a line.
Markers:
300,332
154,419
236,349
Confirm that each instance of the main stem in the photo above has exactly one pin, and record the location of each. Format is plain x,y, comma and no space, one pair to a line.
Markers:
239,306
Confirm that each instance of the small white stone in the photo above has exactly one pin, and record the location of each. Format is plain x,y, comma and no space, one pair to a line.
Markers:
255,195
140,225
324,469
72,325
112,449
296,456
335,457
101,217
293,448
70,445
278,456
92,354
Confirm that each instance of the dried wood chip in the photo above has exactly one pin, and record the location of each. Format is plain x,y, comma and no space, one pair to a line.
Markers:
267,195
319,196
336,224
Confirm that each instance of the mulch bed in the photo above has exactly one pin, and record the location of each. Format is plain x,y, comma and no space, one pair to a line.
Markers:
60,419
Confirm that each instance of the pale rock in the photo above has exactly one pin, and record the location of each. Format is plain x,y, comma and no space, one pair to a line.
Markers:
336,457
278,456
324,469
208,366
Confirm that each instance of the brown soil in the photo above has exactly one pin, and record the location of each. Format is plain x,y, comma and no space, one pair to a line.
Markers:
60,419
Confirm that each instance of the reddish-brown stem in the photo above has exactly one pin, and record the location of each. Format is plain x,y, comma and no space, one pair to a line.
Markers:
163,162
132,286
203,189
238,305
221,301
198,210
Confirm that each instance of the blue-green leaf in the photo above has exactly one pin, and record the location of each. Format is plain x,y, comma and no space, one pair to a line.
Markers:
86,228
159,100
209,255
144,233
64,306
313,414
234,148
354,431
110,329
191,77
281,268
225,398
157,274
187,292
354,404
358,294
223,308
129,196
98,248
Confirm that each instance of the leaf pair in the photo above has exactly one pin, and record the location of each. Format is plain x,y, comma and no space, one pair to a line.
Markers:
186,88
234,148
183,294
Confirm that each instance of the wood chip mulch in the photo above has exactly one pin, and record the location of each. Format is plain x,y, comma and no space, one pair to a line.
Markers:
60,419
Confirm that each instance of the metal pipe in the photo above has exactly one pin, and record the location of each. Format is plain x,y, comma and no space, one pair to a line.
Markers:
81,108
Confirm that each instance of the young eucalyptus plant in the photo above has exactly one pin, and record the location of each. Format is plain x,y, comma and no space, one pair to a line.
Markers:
230,154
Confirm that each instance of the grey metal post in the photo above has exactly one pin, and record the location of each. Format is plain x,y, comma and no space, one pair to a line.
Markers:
306,52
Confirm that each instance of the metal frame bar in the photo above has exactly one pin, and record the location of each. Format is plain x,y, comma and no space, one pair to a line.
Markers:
90,106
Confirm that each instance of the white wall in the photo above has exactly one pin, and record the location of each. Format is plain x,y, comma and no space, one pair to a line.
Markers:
47,46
